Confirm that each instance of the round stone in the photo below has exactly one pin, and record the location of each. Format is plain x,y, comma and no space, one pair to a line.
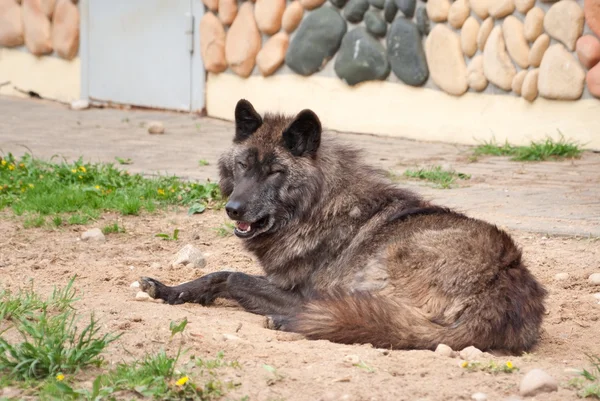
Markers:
529,90
458,13
355,10
405,52
538,49
592,15
272,55
446,61
437,10
390,10
212,43
243,41
228,10
534,24
592,80
292,16
361,58
588,50
502,8
468,36
375,24
484,32
564,22
377,3
516,44
517,82
407,7
497,65
561,76
423,24
475,76
268,14
523,6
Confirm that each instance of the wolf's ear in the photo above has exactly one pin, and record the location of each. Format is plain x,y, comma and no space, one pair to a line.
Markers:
247,120
303,136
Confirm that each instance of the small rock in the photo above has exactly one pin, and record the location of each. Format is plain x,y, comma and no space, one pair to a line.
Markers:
501,8
536,382
135,284
377,3
444,350
316,41
561,276
423,24
484,32
475,76
155,265
523,6
597,296
243,41
156,127
517,82
80,104
11,24
534,24
65,29
228,10
212,43
594,279
471,353
311,4
361,58
516,44
189,256
588,50
406,54
37,29
355,10
339,3
390,10
538,49
230,337
561,76
468,36
95,234
592,15
142,296
352,359
375,24
593,80
479,397
458,13
272,55
480,7
446,61
292,16
564,22
407,7
497,67
10,392
268,14
437,10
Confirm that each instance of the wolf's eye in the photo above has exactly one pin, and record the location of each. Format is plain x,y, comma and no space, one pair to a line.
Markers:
242,165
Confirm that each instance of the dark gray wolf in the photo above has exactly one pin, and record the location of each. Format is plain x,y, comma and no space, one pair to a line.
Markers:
351,258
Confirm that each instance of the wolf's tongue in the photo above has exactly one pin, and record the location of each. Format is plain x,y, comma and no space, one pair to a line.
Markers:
243,226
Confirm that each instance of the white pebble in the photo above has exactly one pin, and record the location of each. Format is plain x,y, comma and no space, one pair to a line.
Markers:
189,256
80,104
142,296
135,284
561,276
594,279
95,234
537,381
156,127
444,350
471,353
479,397
230,337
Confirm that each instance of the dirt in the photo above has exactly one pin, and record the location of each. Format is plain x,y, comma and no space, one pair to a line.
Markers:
307,370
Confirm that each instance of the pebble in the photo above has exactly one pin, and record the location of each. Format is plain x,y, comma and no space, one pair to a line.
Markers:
65,28
407,7
516,44
497,66
80,104
243,41
564,22
588,50
444,350
484,32
561,75
230,337
405,52
597,296
480,7
534,24
594,279
423,23
446,61
479,397
156,127
458,13
361,58
36,28
212,5
135,284
292,16
95,234
228,10
593,80
470,353
311,4
437,10
539,47
268,14
189,256
517,82
142,296
561,276
468,36
390,10
272,55
523,6
501,8
352,359
592,15
537,381
377,3
212,43
475,76
355,10
375,23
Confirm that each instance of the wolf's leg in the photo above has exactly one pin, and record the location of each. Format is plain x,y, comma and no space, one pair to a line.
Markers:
255,294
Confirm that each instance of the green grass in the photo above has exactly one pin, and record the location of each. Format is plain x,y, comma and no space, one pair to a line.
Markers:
588,385
225,230
437,175
203,162
77,192
113,228
536,151
489,367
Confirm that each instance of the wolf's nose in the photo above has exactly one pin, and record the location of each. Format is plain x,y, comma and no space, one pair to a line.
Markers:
234,209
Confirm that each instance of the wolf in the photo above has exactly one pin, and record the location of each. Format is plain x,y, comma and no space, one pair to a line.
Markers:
350,257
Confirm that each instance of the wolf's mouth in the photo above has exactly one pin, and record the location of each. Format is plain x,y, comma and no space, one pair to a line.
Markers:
244,229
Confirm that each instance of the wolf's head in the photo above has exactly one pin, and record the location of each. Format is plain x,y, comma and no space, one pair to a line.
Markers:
270,174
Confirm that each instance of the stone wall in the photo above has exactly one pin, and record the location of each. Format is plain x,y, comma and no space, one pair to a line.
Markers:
533,49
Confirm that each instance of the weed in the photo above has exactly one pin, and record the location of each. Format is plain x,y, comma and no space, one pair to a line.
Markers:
122,161
203,162
536,151
113,228
435,174
490,367
36,221
177,327
168,237
57,221
589,382
225,230
276,375
364,366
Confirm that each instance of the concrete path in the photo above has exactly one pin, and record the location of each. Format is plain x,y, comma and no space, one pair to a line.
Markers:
552,197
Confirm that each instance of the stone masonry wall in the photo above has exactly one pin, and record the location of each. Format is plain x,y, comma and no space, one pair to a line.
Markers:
43,26
525,48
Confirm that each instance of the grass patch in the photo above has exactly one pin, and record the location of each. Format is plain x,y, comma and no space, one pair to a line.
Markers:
79,192
203,162
169,237
113,228
588,384
437,175
225,230
491,367
536,151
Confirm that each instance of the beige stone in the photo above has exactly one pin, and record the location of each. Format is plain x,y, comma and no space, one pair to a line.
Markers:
243,41
534,24
501,8
475,76
292,16
588,50
311,4
561,75
516,44
468,36
523,6
446,61
458,13
497,66
438,10
593,81
517,82
65,29
268,14
272,55
11,24
529,90
228,10
37,28
213,5
48,7
564,22
480,7
484,32
592,15
538,49
212,43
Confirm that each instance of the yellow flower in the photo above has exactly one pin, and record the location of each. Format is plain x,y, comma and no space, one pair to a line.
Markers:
3,162
11,167
182,381
30,185
509,365
82,169
161,191
22,189
60,377
80,177
97,187
464,364
73,170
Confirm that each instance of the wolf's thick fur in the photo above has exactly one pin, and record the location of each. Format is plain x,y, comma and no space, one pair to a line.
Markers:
351,258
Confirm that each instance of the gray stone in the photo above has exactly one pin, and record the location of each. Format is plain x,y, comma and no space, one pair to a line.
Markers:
377,3
189,256
375,24
390,10
355,10
316,41
361,58
406,54
537,381
407,7
95,234
339,3
423,24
